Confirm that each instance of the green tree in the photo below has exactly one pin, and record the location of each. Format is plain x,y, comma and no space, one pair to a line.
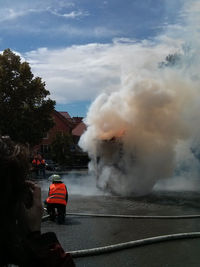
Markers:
25,110
171,60
61,149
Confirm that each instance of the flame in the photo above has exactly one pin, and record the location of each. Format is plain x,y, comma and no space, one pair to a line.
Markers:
109,135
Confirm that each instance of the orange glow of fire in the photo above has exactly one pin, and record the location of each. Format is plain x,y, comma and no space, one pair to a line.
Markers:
112,134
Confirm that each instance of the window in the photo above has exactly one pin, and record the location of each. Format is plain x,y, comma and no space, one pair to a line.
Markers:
44,148
45,136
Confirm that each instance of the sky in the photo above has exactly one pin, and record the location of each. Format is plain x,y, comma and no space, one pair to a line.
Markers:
82,48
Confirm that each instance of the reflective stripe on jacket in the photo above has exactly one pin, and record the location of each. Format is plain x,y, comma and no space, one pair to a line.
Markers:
57,194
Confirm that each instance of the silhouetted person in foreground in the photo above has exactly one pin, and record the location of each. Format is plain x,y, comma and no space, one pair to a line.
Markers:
21,242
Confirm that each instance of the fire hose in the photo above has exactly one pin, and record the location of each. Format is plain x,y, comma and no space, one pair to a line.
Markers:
135,243
135,216
131,244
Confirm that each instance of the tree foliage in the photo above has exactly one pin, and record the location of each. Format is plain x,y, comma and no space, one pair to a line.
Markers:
61,149
171,60
25,110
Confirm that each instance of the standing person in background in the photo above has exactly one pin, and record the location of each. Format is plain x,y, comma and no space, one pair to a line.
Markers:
42,166
57,198
35,166
21,212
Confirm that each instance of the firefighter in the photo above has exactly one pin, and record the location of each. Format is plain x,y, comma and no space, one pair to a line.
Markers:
57,199
41,165
36,165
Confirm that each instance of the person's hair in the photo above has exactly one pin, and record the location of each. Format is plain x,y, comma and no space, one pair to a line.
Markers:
14,168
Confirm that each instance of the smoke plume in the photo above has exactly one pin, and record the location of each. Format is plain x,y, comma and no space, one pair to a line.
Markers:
148,128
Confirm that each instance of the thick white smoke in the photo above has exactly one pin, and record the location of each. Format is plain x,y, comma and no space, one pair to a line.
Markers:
148,128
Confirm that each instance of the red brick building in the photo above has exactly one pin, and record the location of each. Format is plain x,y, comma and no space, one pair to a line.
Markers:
77,131
63,124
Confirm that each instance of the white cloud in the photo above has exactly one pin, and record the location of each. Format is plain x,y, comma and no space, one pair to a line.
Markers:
14,14
82,72
104,31
10,11
7,14
70,15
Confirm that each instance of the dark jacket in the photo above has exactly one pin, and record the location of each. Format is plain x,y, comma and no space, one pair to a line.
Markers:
41,250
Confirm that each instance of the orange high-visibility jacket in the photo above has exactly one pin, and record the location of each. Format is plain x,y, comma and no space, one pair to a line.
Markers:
36,162
57,194
42,162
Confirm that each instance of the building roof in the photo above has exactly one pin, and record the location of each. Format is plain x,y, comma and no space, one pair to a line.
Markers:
77,119
65,114
64,119
79,129
76,123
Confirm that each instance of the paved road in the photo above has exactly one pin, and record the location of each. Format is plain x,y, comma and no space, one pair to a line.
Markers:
88,232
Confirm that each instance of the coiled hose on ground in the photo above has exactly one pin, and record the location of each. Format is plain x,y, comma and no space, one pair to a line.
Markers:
135,243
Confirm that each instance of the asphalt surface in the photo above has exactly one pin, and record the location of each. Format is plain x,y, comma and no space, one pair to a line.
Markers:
79,233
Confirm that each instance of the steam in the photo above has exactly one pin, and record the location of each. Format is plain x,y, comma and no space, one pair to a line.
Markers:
77,183
148,128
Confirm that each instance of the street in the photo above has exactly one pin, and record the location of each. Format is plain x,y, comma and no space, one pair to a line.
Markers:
90,232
